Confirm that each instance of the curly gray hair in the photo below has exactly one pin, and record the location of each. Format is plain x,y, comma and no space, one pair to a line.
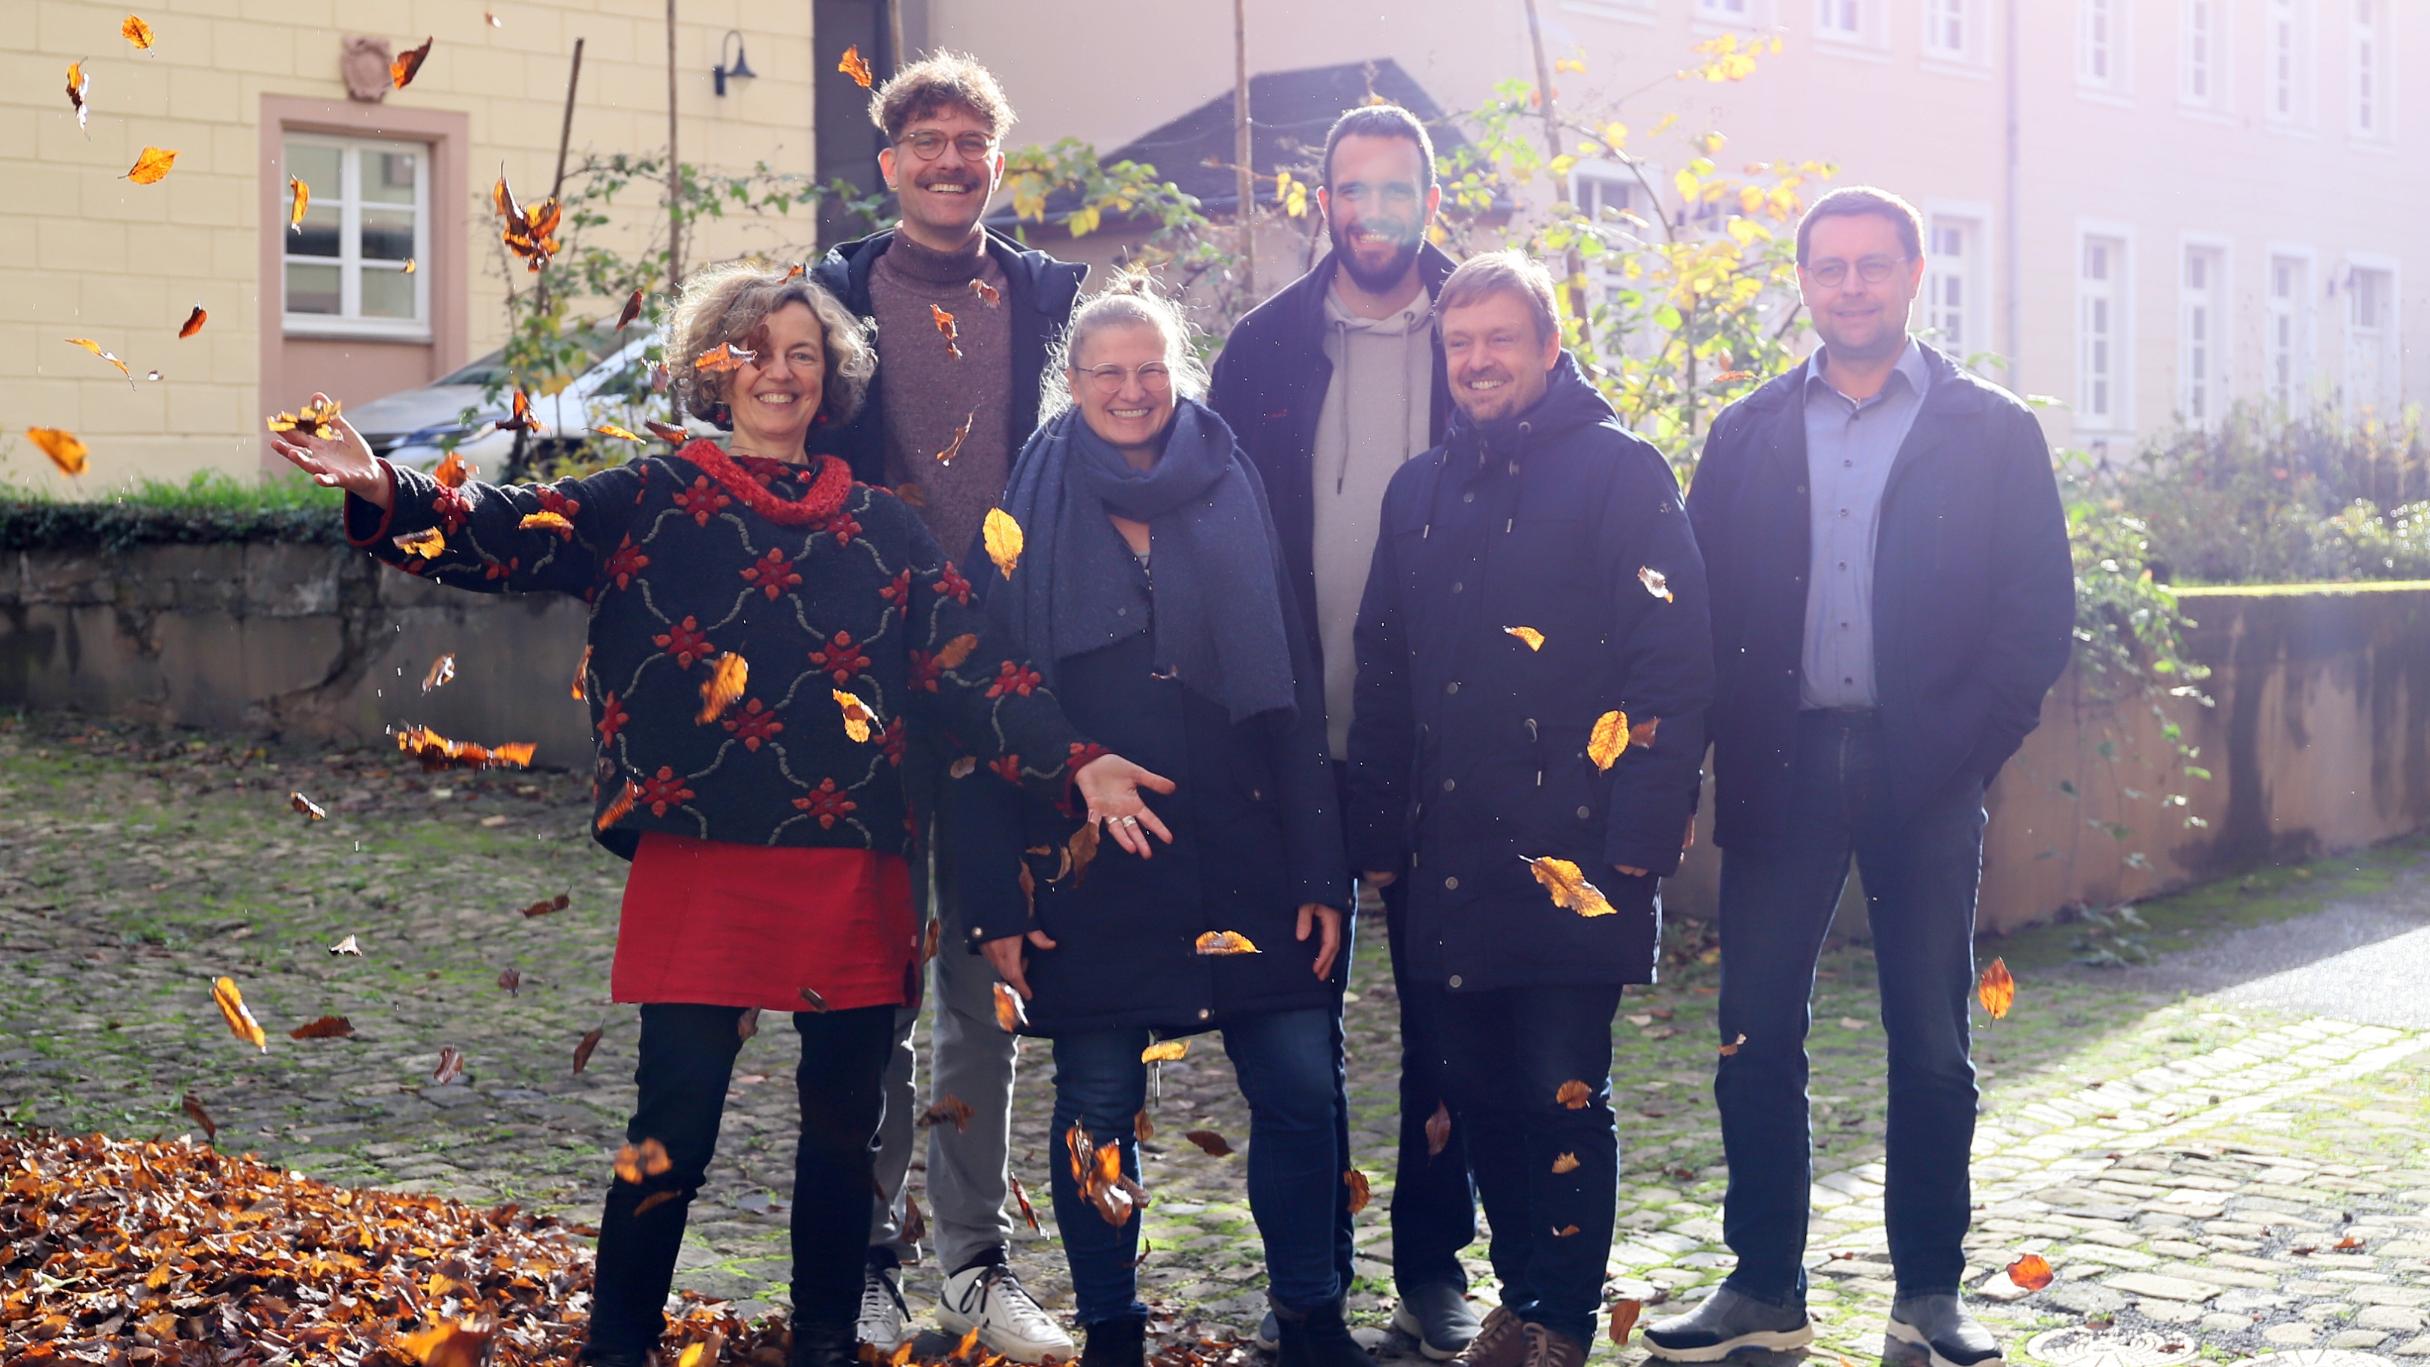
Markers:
728,303
1133,300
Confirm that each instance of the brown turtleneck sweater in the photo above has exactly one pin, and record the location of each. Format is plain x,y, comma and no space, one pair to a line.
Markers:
928,394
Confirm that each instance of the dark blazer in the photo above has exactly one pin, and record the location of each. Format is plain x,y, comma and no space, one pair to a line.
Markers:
1041,291
1256,834
1468,749
1270,386
1973,591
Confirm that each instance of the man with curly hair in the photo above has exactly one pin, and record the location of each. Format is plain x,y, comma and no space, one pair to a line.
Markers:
965,318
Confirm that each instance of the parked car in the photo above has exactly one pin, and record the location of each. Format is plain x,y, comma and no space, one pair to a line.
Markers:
413,427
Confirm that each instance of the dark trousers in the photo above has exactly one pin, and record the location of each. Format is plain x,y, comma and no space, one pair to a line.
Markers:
687,1058
1295,1178
1434,1207
1510,1053
1920,875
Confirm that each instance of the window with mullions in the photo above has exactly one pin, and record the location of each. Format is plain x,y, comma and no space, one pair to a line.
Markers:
367,220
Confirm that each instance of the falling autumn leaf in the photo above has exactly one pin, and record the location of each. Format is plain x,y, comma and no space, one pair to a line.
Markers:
747,1024
307,808
547,905
442,672
1997,990
960,434
952,1110
1624,1319
193,324
632,310
1565,1231
946,329
1655,581
512,980
583,1047
301,196
653,1201
723,357
408,268
931,939
1574,1095
1361,1191
151,165
407,65
1609,739
427,544
1569,886
857,715
80,84
1214,1145
192,1106
520,419
327,1027
317,419
619,809
1533,638
1142,1128
95,347
988,294
347,946
1438,1130
450,1066
491,16
1002,537
812,1001
454,471
2031,1272
1564,1164
1165,1051
796,271
437,752
647,1159
1225,942
856,66
1010,1015
530,231
138,32
729,674
1733,1046
62,446
668,432
1029,1213
231,1003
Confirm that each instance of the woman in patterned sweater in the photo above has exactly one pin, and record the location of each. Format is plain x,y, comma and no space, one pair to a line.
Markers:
762,632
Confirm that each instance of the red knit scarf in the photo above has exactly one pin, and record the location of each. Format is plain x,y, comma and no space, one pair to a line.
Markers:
749,479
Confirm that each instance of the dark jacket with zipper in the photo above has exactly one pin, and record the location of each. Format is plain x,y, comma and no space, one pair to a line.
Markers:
1256,835
1270,386
1973,592
1041,292
1468,751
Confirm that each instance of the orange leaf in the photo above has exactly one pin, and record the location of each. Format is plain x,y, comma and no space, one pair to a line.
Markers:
952,1110
1029,1212
704,1353
192,1105
946,329
138,32
95,347
1360,1192
723,357
747,1024
1997,990
452,472
547,905
547,522
1438,1130
438,752
301,195
1574,1095
969,1344
1220,942
647,1159
960,434
449,1343
1624,1319
442,673
450,1067
427,544
584,1046
241,1024
1565,1231
1569,886
327,1027
621,808
512,980
1642,734
1165,1051
79,85
1656,583
317,419
857,715
729,673
151,165
1732,1047
856,66
1609,739
306,807
1213,1144
930,939
582,670
193,324
407,64
1010,1015
1564,1163
2031,1272
1533,638
632,310
653,1201
521,419
988,294
1142,1127
668,432
62,446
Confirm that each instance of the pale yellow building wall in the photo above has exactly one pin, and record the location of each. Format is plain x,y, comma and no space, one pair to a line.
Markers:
84,253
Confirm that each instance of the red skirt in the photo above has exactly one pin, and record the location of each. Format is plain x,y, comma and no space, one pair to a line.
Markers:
720,924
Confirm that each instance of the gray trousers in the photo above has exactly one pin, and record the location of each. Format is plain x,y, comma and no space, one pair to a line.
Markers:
971,1059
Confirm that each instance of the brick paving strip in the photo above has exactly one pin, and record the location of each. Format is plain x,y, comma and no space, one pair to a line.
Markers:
2190,1171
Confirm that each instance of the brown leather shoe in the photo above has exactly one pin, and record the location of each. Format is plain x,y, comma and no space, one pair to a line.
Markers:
1546,1348
1500,1342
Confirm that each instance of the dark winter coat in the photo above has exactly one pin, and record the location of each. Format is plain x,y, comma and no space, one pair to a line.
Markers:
1256,834
1039,289
1973,591
1468,751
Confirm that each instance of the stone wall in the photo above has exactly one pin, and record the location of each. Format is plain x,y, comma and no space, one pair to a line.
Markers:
2319,740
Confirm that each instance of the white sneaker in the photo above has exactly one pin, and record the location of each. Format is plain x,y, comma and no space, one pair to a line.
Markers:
885,1321
990,1299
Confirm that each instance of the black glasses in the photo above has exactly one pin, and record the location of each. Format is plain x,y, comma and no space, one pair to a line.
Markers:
1872,270
929,144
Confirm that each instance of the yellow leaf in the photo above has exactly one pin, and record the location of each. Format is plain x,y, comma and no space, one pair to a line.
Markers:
1225,942
547,522
611,430
1568,66
1010,1016
138,32
302,195
1083,221
240,1020
427,543
1615,136
856,714
152,165
1002,537
450,1343
1568,886
1687,184
62,446
704,1353
1165,1051
1609,740
1533,637
728,675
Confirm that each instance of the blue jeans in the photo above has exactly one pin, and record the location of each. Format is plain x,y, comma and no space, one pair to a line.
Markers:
1434,1206
1286,1061
1921,871
1507,1054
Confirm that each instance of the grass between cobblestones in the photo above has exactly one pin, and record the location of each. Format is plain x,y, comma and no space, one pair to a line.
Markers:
141,864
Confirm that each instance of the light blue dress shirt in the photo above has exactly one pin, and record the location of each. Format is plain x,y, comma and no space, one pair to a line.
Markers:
1850,447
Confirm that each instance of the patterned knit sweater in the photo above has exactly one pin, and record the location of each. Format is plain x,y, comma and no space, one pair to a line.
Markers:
817,584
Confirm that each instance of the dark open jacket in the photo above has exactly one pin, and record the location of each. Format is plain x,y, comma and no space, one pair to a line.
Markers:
1973,591
1468,750
1256,834
1041,291
1270,386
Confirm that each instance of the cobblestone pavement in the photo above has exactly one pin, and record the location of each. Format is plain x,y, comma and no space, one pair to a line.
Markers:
2211,1173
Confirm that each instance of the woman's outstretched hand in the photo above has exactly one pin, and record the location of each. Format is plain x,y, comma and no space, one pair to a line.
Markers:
1111,786
341,462
1314,916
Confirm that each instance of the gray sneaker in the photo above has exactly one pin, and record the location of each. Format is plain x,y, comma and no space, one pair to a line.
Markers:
1940,1326
1726,1322
1438,1317
1268,1337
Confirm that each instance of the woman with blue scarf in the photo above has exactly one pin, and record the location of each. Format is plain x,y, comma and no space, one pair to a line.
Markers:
1150,593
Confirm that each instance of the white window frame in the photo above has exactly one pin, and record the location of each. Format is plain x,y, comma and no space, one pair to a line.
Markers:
346,197
2113,82
1974,274
1732,15
1972,55
1869,36
2203,398
1603,275
2287,41
2371,94
2206,58
2119,291
2299,313
2388,335
1626,11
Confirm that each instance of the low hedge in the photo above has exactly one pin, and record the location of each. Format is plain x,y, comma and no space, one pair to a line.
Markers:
210,507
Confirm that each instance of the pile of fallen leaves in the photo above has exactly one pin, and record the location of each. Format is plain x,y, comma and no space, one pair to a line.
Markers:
143,1252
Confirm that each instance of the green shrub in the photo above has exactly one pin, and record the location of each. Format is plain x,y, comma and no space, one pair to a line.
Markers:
212,506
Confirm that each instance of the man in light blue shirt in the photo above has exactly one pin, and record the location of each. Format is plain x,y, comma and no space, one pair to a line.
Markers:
1851,443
